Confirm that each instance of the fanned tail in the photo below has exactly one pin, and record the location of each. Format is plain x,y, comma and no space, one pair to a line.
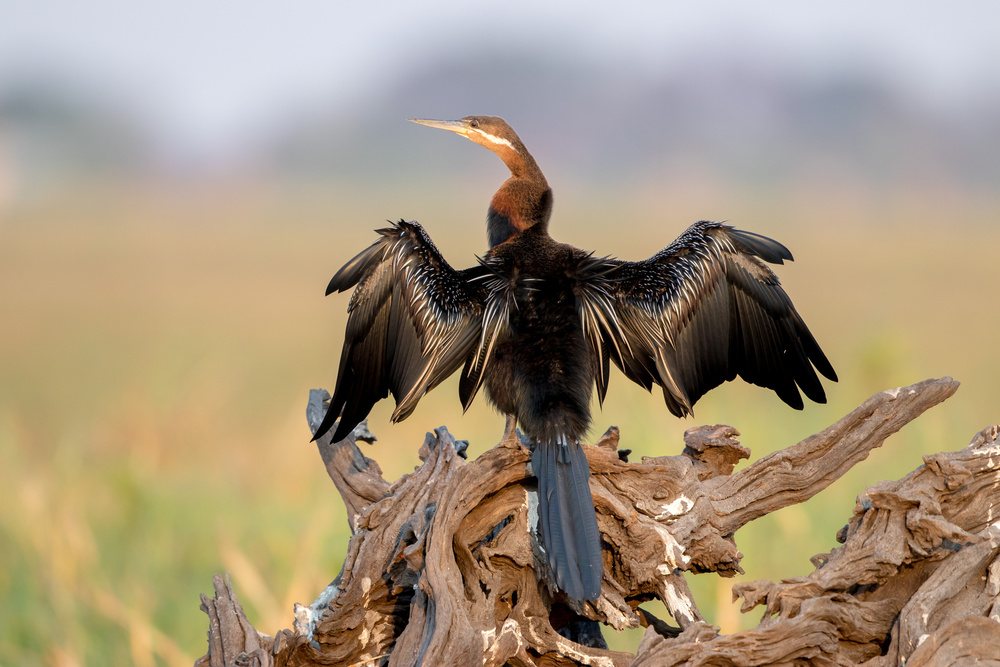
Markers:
566,518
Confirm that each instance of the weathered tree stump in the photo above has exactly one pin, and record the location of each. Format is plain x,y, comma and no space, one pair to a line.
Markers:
444,567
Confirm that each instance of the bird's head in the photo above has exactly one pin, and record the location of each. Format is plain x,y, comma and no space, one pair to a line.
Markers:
524,200
495,134
492,132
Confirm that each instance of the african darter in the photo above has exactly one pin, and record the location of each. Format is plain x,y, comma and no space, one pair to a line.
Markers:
536,322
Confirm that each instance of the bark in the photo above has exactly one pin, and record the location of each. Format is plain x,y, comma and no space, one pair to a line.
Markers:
444,566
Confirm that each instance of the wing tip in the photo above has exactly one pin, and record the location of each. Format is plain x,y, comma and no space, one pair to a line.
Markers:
329,419
764,247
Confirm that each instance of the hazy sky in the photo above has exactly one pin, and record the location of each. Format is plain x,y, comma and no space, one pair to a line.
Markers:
214,71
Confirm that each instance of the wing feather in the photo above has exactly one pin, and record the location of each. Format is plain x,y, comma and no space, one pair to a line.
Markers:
499,290
413,320
704,310
598,317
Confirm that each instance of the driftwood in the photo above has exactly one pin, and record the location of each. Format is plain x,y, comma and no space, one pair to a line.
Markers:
444,567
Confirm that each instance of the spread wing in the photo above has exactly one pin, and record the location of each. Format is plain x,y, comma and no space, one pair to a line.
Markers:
413,320
704,310
498,291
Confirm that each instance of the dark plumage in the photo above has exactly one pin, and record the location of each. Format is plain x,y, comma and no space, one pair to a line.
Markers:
538,323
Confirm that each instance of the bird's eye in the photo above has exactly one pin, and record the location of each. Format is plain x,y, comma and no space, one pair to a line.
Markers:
473,123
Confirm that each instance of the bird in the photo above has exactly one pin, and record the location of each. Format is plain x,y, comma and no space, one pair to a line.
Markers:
537,323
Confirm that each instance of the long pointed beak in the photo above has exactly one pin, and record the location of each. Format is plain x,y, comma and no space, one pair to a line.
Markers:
456,126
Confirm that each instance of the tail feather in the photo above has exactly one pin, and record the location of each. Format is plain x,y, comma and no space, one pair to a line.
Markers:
567,519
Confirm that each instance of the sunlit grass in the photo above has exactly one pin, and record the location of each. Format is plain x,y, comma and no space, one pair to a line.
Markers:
156,354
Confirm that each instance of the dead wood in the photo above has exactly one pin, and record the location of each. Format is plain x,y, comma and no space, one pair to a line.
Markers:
444,567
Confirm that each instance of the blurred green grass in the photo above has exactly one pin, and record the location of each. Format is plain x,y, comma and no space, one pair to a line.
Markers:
156,350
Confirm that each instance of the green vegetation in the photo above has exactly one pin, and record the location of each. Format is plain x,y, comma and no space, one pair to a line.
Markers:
156,353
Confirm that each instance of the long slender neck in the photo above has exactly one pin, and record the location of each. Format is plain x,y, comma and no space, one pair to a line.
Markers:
524,200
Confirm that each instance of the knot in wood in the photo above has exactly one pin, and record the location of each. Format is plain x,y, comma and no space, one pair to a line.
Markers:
715,448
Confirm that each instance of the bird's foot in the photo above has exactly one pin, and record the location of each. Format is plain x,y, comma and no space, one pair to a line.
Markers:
511,438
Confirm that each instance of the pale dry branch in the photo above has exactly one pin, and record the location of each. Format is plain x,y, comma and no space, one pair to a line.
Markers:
444,566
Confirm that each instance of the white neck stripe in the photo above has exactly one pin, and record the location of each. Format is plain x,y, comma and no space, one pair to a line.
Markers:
494,139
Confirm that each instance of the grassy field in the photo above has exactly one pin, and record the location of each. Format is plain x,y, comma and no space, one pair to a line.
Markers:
157,348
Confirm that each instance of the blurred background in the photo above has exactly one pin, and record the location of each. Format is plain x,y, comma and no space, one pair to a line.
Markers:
178,182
